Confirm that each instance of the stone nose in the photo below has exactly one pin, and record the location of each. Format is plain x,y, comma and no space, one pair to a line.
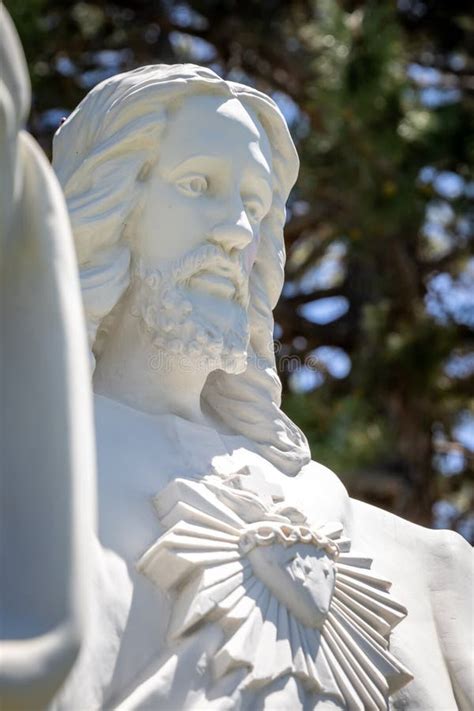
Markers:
233,234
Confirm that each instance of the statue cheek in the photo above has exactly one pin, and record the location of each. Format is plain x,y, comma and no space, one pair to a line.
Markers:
250,253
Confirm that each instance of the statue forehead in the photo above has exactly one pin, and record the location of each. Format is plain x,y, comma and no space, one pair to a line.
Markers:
203,121
200,106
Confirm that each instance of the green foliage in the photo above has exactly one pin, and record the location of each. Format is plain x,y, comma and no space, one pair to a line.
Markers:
345,436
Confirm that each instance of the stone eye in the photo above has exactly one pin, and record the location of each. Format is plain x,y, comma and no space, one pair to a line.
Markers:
192,185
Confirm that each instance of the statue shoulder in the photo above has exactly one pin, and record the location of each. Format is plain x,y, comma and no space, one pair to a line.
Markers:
441,547
450,572
450,548
436,565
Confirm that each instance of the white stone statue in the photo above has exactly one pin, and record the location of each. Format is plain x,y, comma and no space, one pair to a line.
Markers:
230,571
253,581
46,436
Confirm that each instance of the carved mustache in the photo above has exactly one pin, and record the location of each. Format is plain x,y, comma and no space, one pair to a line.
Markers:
212,258
205,258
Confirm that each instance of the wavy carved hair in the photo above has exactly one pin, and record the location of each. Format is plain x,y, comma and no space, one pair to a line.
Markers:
102,155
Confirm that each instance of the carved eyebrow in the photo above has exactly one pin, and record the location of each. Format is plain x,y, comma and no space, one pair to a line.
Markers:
190,163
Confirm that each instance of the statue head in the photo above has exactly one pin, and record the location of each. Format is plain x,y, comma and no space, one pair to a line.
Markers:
176,183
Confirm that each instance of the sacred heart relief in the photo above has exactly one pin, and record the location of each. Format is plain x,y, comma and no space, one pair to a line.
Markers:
301,575
291,599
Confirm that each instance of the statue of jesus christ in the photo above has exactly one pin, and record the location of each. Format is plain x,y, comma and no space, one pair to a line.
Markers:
231,572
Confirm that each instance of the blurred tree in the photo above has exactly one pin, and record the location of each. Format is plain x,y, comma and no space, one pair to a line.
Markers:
374,328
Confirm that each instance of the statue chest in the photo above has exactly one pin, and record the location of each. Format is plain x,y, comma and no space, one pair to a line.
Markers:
221,594
223,590
293,600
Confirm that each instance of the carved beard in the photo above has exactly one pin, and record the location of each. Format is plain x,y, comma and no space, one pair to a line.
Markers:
188,323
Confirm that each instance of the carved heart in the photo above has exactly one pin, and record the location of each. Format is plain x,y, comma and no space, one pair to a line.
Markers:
301,576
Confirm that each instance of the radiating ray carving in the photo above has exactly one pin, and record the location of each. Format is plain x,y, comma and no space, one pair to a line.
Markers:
290,598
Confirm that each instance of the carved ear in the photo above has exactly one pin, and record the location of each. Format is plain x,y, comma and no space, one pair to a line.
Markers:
144,172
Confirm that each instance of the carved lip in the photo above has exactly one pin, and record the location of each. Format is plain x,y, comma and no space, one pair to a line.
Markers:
224,278
216,283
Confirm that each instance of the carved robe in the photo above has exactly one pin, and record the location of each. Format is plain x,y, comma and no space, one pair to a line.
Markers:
157,642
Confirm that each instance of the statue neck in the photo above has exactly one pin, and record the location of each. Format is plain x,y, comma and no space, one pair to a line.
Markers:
132,370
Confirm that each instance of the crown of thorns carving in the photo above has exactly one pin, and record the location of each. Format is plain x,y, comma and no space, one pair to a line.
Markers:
265,534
